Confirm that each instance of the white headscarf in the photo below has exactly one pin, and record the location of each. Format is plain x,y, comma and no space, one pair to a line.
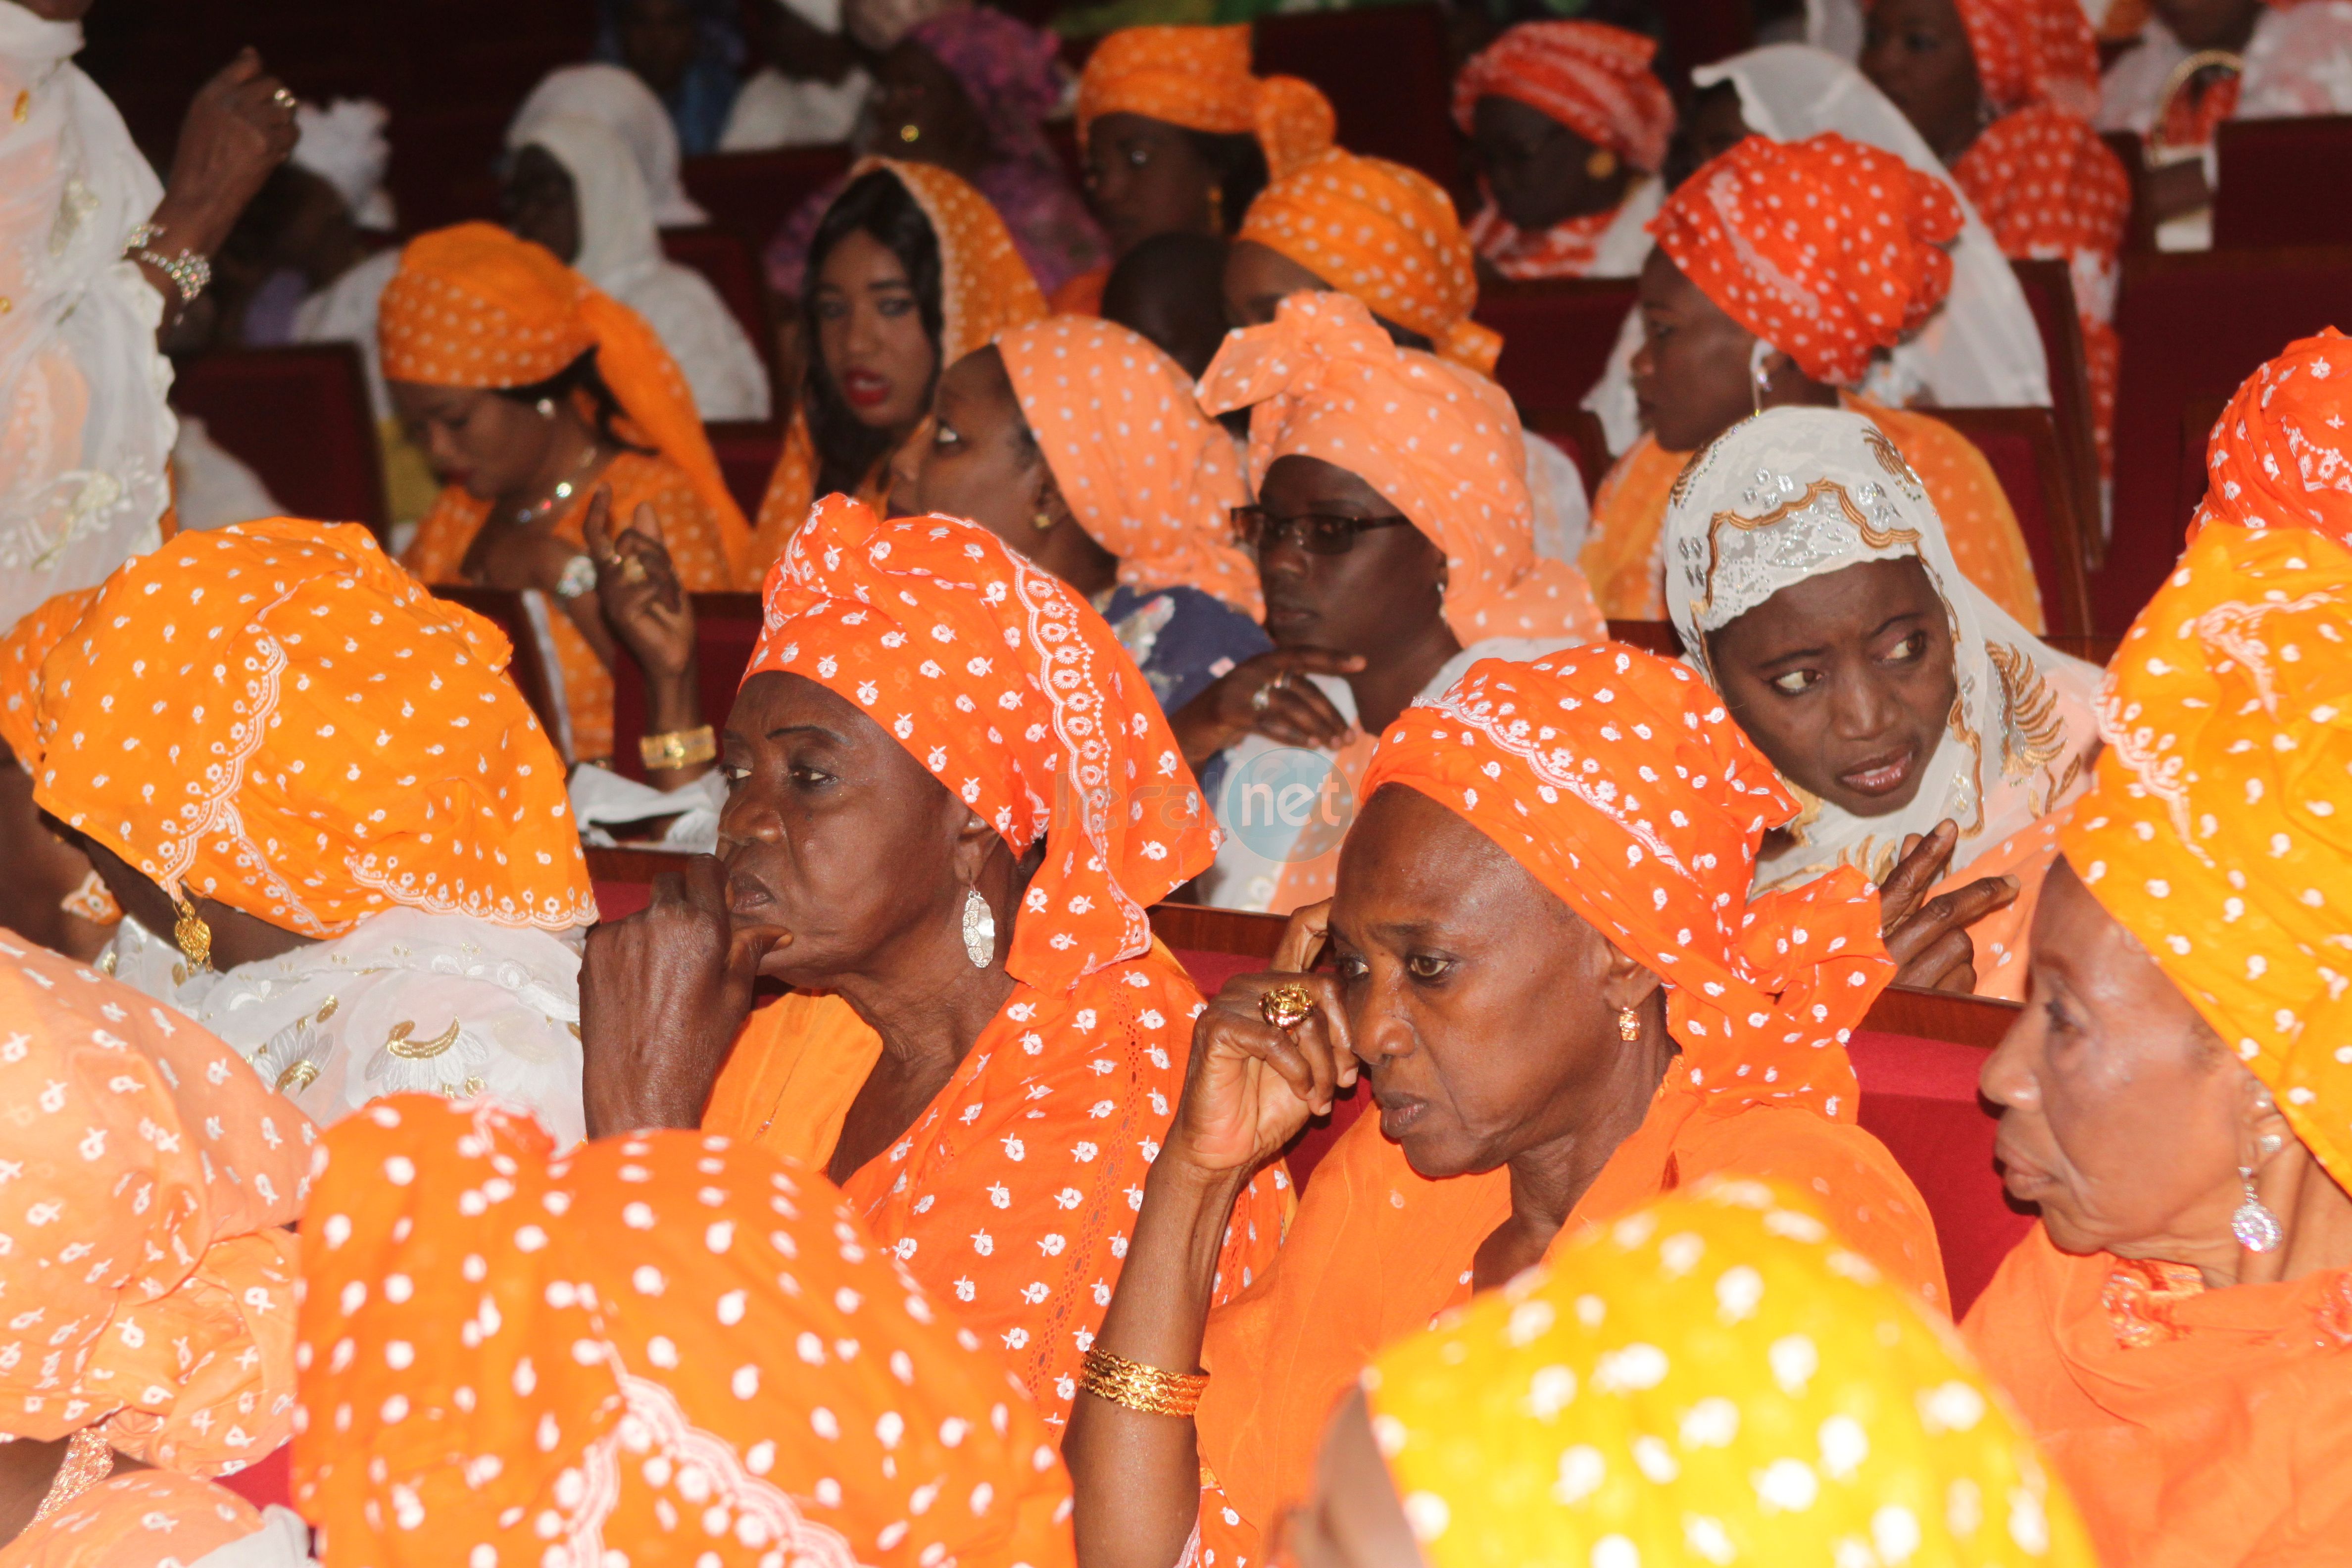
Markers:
1793,493
613,97
617,239
344,145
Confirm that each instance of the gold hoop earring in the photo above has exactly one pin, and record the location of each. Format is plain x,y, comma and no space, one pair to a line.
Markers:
1216,209
193,936
1629,1025
1601,164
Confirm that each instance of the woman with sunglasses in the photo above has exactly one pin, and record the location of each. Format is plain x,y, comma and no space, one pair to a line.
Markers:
1394,535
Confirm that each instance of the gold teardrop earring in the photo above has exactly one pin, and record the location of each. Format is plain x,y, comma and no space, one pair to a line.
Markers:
1601,164
193,936
1629,1025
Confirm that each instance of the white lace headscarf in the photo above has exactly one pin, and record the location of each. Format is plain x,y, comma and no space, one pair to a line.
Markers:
1794,493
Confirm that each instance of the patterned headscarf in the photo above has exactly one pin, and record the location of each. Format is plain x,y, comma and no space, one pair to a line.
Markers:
1713,1378
668,1348
474,306
1795,493
149,1281
2219,827
1618,781
1199,78
2034,51
1827,249
1592,78
1387,235
1153,479
2281,454
274,716
1012,72
1441,445
28,644
1012,690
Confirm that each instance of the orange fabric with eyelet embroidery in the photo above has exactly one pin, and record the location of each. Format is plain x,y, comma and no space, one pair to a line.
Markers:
1199,78
28,642
2281,454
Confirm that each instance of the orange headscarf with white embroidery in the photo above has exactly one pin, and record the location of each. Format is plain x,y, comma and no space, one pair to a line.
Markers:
1618,780
29,642
669,1347
1009,688
315,738
2281,454
1199,78
474,306
1440,444
1825,249
1591,77
1387,235
148,1288
1153,479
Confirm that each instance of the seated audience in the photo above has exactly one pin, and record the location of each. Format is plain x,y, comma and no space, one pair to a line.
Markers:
2177,1100
687,53
2003,92
1552,973
1712,1379
950,801
707,1334
1808,577
1171,288
341,843
56,901
1389,563
1781,270
531,389
310,214
810,91
1179,137
1568,127
616,99
910,270
574,188
151,1290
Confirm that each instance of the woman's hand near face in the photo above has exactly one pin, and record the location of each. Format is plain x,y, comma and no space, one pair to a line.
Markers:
663,994
1294,712
651,616
1929,938
236,132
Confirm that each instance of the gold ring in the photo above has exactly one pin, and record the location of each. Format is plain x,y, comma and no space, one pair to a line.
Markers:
633,571
1286,1006
283,98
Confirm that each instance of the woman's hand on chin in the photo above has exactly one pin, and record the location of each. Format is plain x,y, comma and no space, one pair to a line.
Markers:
662,995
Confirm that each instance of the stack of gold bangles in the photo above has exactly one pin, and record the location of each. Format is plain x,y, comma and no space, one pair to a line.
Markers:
1140,1387
677,748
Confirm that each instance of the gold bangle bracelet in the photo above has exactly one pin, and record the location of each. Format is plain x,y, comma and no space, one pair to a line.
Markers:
679,748
1140,1387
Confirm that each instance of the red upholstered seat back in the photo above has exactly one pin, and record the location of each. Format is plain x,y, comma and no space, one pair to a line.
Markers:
1578,433
746,453
1384,69
1556,338
2270,172
300,417
751,194
2049,288
445,164
726,627
2022,447
727,262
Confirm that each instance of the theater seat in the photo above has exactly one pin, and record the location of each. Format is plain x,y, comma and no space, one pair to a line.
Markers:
1384,69
2269,174
1557,335
726,627
751,194
268,1479
731,268
2049,288
747,452
2022,447
300,417
1578,433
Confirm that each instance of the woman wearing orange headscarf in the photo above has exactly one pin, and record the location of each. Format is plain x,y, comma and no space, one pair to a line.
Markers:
532,388
1566,1002
1395,539
1781,269
2003,92
953,799
149,1339
1569,127
1179,137
338,837
2178,1098
667,1349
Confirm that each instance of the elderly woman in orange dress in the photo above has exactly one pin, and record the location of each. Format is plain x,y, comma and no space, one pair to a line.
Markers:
1781,269
1179,137
2003,91
951,799
2177,1096
1569,127
338,838
530,389
668,1349
150,1286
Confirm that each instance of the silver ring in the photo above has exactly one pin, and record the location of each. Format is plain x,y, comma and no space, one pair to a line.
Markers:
1262,697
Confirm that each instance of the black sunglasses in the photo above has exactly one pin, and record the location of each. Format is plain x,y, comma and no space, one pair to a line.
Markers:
1318,534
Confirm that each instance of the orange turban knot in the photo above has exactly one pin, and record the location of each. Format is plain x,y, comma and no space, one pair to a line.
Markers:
1012,691
1827,249
2281,455
1387,235
1442,444
1199,78
148,1282
1592,78
1618,780
315,738
28,642
2034,51
474,306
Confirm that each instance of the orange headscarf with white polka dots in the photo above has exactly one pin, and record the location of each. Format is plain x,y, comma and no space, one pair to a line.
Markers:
668,1348
2281,454
1825,249
1441,445
1199,78
1153,479
2034,51
1387,235
148,1285
28,642
474,306
274,716
2219,825
1588,76
1618,780
1009,688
